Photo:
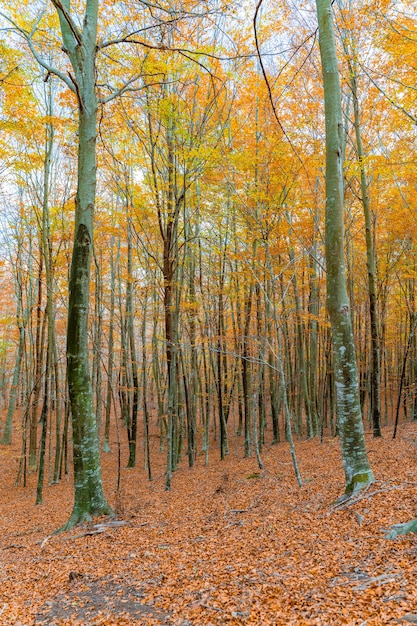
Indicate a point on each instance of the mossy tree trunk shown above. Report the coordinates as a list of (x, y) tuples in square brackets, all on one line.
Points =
[(355, 461), (80, 46)]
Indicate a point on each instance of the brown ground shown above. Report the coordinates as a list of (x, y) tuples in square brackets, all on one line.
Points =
[(229, 544)]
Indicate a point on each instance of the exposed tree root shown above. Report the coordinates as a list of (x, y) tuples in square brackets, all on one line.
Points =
[(80, 517), (353, 496), (402, 529)]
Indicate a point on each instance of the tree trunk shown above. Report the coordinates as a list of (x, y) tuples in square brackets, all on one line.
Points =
[(145, 390), (22, 316), (355, 461), (133, 419), (89, 499), (370, 263), (110, 342), (247, 371), (39, 348)]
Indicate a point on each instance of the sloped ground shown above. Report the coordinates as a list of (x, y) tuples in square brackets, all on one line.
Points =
[(229, 544)]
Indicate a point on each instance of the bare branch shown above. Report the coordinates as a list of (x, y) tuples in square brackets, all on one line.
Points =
[(268, 85), (28, 38), (163, 48), (121, 90), (384, 93)]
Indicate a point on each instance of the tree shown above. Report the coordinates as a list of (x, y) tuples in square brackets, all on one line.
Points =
[(355, 461), (80, 46), (350, 49)]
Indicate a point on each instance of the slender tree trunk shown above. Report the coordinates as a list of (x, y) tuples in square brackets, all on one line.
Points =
[(97, 347), (110, 356), (192, 415), (260, 390), (58, 409), (156, 372), (63, 462), (314, 329), (280, 367), (170, 235), (39, 352), (7, 432), (287, 363), (273, 383), (44, 421), (133, 418), (22, 316), (220, 372), (371, 266), (206, 405), (246, 370), (52, 365), (145, 391), (303, 390)]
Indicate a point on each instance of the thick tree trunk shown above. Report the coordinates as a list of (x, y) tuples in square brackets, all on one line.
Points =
[(89, 499), (355, 461)]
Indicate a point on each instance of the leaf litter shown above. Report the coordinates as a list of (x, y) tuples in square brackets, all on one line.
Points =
[(220, 547)]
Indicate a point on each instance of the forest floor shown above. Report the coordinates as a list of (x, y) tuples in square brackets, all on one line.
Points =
[(229, 544)]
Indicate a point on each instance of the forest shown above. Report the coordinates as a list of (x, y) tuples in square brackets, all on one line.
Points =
[(208, 322)]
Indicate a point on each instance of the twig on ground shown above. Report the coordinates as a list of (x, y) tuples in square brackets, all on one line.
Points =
[(45, 541), (383, 579), (212, 608)]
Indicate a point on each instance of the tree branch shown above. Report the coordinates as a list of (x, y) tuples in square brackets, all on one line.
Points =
[(268, 85), (28, 38), (67, 16), (164, 48), (390, 100), (121, 90)]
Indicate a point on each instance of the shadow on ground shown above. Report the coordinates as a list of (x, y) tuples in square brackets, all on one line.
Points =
[(88, 599)]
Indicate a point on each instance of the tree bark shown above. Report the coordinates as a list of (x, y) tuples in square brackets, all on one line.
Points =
[(355, 461), (89, 499), (371, 267), (132, 426)]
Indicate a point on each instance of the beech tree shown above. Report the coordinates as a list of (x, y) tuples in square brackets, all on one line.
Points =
[(80, 46), (355, 461)]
